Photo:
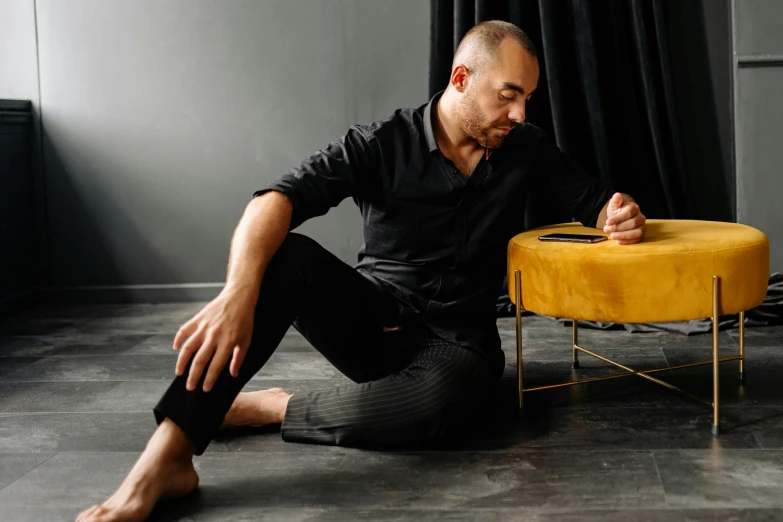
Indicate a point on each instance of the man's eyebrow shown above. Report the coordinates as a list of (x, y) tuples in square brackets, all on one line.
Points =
[(514, 87)]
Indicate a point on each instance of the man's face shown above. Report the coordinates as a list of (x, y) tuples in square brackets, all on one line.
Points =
[(494, 103)]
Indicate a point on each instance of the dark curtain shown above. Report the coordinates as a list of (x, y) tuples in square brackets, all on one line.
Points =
[(605, 93)]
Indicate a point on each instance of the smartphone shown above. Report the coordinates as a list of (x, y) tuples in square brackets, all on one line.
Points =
[(574, 238)]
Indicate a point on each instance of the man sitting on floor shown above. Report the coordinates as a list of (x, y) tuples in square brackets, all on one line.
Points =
[(441, 190)]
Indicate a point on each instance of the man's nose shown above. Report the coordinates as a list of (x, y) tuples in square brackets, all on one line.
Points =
[(517, 114)]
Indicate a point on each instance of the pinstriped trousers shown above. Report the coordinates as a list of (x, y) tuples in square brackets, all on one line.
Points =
[(408, 385)]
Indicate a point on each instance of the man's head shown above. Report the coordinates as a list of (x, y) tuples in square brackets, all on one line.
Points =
[(493, 73)]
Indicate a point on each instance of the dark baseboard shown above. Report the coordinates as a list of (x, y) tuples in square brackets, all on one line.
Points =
[(175, 293), (122, 294), (18, 303)]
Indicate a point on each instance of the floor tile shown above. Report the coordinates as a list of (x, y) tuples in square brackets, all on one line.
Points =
[(664, 515), (51, 432), (722, 478), (77, 385), (223, 513), (766, 424), (485, 480), (272, 481), (148, 367), (102, 344), (80, 396), (14, 465)]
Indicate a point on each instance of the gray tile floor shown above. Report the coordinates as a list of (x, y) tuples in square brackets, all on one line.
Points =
[(77, 385)]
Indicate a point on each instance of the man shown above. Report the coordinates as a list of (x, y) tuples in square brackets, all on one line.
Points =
[(441, 191)]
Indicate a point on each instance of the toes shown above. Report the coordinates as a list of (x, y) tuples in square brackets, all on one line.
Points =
[(83, 516)]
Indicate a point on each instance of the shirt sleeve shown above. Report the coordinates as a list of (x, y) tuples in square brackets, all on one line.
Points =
[(559, 180), (330, 175)]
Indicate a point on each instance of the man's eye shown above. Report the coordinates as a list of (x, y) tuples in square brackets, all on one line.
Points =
[(506, 98)]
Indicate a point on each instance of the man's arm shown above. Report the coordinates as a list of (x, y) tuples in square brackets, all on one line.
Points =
[(346, 167), (559, 181), (258, 235), (585, 198), (223, 329)]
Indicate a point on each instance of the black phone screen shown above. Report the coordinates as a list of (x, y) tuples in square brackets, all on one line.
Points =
[(576, 238)]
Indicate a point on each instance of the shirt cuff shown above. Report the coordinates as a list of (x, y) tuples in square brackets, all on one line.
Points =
[(287, 190)]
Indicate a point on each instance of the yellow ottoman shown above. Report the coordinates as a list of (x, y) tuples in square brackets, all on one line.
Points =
[(682, 270)]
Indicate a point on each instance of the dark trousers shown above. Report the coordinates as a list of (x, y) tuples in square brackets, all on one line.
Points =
[(408, 384)]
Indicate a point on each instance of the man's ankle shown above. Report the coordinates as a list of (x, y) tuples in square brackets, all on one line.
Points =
[(173, 440), (283, 408)]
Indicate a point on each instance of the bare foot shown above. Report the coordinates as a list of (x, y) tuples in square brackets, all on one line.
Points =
[(257, 408), (164, 470)]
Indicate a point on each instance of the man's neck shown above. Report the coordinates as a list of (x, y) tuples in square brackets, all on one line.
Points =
[(451, 140)]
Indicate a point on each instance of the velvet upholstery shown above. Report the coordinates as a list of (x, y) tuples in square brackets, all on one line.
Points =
[(666, 277)]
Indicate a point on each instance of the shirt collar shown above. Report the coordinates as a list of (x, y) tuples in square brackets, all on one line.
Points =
[(429, 132)]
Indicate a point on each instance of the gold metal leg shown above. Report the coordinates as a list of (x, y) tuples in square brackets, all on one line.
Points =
[(574, 344), (742, 347), (715, 356), (715, 361), (518, 298)]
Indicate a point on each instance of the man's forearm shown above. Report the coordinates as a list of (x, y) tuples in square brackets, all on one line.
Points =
[(258, 235)]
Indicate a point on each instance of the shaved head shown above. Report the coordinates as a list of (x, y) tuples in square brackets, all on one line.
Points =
[(494, 73), (479, 47)]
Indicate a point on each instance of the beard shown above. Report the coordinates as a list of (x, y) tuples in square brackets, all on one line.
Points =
[(472, 123)]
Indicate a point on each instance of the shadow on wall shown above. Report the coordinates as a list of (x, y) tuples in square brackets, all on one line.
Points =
[(93, 241)]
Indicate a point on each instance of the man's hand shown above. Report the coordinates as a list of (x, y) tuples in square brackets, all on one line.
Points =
[(224, 327), (624, 220)]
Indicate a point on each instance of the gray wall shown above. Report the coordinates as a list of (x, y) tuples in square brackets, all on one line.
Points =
[(162, 118), (758, 117), (18, 60)]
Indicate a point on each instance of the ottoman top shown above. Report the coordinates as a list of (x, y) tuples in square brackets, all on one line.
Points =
[(666, 277), (662, 237)]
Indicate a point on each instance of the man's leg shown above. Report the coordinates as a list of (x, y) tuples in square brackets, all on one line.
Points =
[(442, 388), (337, 309), (302, 280)]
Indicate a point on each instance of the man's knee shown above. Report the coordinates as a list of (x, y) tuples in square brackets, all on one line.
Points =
[(294, 249), (294, 261)]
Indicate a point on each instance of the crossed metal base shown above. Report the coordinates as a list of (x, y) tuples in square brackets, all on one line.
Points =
[(715, 361)]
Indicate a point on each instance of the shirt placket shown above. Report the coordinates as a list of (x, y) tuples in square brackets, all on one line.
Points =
[(461, 230)]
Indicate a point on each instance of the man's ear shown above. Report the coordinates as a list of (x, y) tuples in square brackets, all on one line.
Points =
[(459, 78)]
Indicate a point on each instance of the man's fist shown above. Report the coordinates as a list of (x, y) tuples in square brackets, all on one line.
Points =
[(624, 220)]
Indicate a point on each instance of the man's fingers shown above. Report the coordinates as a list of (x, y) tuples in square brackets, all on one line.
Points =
[(199, 362), (625, 213), (635, 222), (185, 331), (616, 201), (635, 234), (237, 360), (215, 367), (188, 349)]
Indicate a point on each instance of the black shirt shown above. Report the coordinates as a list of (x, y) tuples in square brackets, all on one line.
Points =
[(432, 238)]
